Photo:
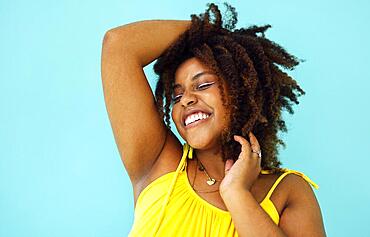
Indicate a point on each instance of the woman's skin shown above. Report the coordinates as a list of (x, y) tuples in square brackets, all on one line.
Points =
[(147, 153)]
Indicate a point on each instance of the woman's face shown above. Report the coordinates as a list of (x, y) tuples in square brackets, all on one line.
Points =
[(197, 110)]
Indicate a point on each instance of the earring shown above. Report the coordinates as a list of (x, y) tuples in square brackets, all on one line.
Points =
[(190, 154)]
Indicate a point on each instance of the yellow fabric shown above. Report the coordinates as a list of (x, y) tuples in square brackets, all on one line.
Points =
[(170, 207)]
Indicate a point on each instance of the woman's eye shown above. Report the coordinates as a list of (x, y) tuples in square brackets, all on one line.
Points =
[(200, 87), (205, 85), (176, 98)]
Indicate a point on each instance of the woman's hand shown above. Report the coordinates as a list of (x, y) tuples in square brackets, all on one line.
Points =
[(243, 172)]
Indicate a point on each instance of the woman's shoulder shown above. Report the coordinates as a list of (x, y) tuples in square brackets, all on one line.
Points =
[(289, 176), (284, 186), (298, 185), (300, 204), (297, 178)]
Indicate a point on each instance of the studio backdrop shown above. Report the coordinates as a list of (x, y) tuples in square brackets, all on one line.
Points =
[(60, 170)]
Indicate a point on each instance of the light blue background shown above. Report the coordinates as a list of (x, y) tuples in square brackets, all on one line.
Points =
[(60, 171)]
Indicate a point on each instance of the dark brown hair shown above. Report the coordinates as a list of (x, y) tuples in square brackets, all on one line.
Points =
[(249, 65)]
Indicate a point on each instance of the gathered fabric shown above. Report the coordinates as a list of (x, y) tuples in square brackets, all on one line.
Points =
[(169, 206)]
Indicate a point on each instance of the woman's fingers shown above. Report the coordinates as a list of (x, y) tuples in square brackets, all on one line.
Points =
[(245, 170), (251, 148), (254, 142), (245, 144), (255, 146)]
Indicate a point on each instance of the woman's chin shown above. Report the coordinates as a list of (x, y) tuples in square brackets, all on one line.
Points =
[(200, 143)]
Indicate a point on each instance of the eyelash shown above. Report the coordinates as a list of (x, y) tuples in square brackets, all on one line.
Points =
[(203, 86)]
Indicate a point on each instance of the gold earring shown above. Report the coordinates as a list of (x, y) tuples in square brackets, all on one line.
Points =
[(190, 154)]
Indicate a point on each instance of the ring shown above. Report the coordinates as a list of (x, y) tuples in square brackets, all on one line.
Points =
[(259, 153)]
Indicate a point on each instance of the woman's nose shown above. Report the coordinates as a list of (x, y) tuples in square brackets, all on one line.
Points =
[(188, 99)]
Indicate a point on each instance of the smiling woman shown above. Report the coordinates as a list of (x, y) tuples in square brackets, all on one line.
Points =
[(225, 90), (197, 91)]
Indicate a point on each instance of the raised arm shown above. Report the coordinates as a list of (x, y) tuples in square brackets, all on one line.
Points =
[(138, 130)]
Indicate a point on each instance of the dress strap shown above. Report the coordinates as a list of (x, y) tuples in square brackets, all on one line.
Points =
[(286, 172), (187, 152)]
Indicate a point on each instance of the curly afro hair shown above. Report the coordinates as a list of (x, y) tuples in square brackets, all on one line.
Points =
[(249, 65)]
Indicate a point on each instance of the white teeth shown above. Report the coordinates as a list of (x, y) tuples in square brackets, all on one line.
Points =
[(194, 117)]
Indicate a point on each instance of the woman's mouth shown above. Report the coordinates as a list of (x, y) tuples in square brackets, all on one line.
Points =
[(196, 119)]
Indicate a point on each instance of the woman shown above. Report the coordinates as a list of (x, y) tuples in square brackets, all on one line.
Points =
[(225, 92)]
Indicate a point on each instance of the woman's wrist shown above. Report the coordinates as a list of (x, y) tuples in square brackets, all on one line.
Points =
[(232, 190)]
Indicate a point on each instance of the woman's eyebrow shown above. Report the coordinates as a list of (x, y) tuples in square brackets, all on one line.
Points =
[(195, 78)]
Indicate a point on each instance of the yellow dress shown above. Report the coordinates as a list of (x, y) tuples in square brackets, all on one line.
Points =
[(169, 206)]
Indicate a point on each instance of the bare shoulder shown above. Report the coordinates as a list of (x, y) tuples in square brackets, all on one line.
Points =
[(295, 201), (290, 186), (297, 190), (297, 186), (301, 215)]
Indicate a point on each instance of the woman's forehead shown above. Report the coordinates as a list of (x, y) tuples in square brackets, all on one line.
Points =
[(192, 78), (191, 70)]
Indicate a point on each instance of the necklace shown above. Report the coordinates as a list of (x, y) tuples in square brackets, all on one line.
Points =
[(210, 181)]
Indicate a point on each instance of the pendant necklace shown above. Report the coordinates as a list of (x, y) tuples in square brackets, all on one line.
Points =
[(210, 181)]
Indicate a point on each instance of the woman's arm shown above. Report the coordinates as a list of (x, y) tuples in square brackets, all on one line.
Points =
[(248, 216), (146, 40), (139, 132), (302, 215)]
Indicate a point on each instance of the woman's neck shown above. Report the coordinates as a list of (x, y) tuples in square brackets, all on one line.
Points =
[(212, 161)]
